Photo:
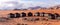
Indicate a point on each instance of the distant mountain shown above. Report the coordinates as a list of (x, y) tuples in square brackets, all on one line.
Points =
[(55, 7), (36, 7)]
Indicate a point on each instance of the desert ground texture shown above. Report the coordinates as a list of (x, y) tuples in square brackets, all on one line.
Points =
[(20, 21)]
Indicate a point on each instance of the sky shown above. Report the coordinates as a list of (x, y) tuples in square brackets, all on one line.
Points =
[(42, 2), (12, 4)]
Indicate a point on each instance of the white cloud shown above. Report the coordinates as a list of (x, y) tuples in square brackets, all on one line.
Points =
[(31, 4), (11, 4), (4, 5)]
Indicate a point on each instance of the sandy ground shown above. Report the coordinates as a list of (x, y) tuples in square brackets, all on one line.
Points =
[(15, 21)]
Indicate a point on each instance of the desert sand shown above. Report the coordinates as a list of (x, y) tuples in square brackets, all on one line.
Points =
[(17, 21)]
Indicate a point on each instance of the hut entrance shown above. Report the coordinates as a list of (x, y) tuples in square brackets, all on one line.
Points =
[(30, 14), (17, 15), (23, 14), (11, 15), (52, 16), (57, 16)]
